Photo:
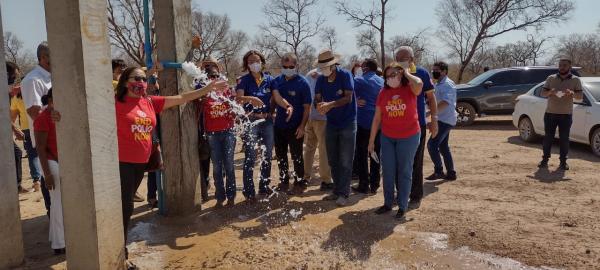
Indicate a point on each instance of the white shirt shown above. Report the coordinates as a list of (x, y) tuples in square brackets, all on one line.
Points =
[(36, 84)]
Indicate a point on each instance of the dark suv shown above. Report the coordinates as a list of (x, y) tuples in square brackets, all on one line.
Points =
[(495, 91)]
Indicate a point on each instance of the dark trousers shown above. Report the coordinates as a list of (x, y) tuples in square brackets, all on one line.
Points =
[(439, 145), (131, 175), (18, 164), (367, 169), (283, 139), (151, 184), (563, 123), (205, 170), (416, 190)]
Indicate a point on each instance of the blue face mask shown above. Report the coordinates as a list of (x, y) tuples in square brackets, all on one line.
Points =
[(288, 72)]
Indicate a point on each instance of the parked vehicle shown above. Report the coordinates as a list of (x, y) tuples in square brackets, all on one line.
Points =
[(528, 116), (495, 91)]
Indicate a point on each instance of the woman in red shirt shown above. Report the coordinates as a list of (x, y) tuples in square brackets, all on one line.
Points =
[(136, 118), (396, 113), (218, 126), (45, 138)]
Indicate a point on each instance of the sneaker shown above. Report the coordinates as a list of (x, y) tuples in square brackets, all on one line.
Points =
[(450, 177), (130, 266), (219, 204), (153, 203), (330, 197), (36, 186), (59, 251), (543, 164), (400, 214), (414, 204), (382, 210), (265, 192), (251, 200), (230, 203), (326, 186), (283, 186), (563, 166), (435, 176), (360, 190), (341, 201), (374, 190), (301, 183), (138, 197)]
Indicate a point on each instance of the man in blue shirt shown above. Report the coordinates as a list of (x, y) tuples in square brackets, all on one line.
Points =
[(406, 57), (445, 94), (291, 92), (314, 137), (334, 97), (366, 88)]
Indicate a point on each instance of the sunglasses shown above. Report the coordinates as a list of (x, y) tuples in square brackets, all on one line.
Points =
[(213, 76), (139, 78), (289, 67)]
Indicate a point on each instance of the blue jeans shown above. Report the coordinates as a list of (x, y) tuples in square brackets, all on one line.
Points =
[(222, 148), (34, 169), (397, 158), (438, 145), (254, 139), (563, 122), (340, 153)]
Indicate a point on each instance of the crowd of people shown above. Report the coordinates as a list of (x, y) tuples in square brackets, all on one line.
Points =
[(372, 120)]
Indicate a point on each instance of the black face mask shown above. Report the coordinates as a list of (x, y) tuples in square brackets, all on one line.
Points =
[(436, 75)]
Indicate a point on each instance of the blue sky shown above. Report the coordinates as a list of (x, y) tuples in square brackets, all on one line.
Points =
[(25, 18)]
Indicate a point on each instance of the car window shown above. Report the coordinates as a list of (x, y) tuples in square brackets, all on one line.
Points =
[(538, 91), (535, 76), (482, 77), (594, 89), (508, 77)]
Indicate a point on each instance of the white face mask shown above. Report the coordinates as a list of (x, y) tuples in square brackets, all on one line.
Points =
[(256, 67), (326, 71), (405, 65), (358, 72), (393, 82), (288, 72)]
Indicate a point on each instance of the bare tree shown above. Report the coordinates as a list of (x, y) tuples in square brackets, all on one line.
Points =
[(366, 41), (466, 24), (417, 41), (234, 44), (291, 23), (213, 29), (14, 52), (126, 28), (582, 49), (329, 37), (374, 17)]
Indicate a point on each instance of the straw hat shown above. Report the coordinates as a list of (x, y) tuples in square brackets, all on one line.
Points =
[(327, 58), (210, 60)]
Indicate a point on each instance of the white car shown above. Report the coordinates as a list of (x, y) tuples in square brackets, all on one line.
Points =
[(528, 116)]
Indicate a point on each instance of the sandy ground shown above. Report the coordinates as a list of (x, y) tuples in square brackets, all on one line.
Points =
[(502, 213)]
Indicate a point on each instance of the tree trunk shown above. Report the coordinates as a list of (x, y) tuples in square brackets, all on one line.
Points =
[(382, 34)]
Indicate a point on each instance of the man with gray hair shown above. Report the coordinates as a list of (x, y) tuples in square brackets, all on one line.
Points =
[(406, 57), (34, 86)]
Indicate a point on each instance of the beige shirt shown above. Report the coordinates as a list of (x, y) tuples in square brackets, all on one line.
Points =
[(563, 104)]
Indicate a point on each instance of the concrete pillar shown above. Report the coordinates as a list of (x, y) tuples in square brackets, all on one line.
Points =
[(179, 127), (11, 245), (87, 142)]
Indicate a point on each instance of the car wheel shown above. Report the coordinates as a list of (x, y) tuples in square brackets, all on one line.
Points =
[(595, 141), (466, 114), (526, 131)]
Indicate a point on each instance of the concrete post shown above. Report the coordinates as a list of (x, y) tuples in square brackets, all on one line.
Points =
[(179, 127), (87, 142), (11, 245)]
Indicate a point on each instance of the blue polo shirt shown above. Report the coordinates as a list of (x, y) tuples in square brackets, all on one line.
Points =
[(297, 92), (338, 117), (262, 91), (427, 86), (367, 87)]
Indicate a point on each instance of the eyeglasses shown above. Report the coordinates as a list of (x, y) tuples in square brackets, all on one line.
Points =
[(139, 78), (210, 66), (213, 76), (289, 67)]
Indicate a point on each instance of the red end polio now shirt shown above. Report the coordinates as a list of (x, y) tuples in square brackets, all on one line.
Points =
[(136, 119), (399, 118), (217, 113)]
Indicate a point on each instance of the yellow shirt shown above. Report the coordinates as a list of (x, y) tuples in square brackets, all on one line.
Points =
[(17, 104), (115, 85)]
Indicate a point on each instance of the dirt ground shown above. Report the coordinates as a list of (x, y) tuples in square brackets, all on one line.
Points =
[(502, 213)]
